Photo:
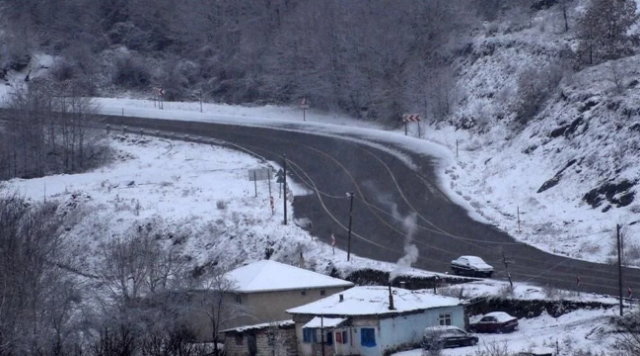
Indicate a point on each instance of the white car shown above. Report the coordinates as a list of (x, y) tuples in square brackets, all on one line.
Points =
[(472, 266)]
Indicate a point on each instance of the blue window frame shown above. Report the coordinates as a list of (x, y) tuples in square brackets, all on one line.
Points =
[(368, 337), (309, 335)]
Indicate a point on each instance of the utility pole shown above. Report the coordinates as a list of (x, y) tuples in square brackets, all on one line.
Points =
[(619, 265), (284, 201), (322, 333), (506, 263), (350, 195)]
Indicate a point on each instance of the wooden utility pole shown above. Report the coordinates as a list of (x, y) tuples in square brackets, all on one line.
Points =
[(351, 194), (506, 263), (284, 201), (619, 266)]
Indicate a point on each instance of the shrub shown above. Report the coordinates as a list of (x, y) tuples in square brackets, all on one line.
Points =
[(131, 72), (534, 87)]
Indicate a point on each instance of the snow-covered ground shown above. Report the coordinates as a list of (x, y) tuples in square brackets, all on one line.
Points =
[(496, 173), (199, 194), (490, 288), (478, 172), (585, 330)]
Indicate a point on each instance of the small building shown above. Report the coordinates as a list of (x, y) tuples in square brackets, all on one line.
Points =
[(371, 320), (266, 339), (266, 289), (262, 292)]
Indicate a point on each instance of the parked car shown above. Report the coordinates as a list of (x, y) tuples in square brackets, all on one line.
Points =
[(495, 322), (471, 265), (440, 337), (538, 351)]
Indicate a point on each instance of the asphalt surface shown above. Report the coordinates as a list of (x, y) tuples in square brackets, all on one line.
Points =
[(383, 183)]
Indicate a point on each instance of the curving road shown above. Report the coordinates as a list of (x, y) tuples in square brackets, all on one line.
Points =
[(384, 184)]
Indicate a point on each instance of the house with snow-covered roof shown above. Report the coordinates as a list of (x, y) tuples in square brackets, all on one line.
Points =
[(371, 320), (265, 290)]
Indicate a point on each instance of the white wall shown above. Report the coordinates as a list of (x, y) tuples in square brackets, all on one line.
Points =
[(390, 332), (409, 329)]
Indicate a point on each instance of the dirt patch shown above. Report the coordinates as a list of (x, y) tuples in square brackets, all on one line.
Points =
[(571, 130), (559, 131), (617, 194), (556, 179)]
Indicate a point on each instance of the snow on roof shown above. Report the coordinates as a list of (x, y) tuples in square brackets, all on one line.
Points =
[(268, 276), (278, 324), (374, 300), (320, 322)]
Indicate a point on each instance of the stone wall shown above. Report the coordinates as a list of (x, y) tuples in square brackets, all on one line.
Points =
[(237, 343)]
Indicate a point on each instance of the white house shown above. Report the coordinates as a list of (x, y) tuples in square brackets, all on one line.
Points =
[(371, 320)]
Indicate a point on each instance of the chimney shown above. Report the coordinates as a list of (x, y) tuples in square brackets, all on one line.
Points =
[(341, 298), (391, 306)]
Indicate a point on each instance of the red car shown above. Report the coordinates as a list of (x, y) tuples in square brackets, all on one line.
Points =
[(495, 322)]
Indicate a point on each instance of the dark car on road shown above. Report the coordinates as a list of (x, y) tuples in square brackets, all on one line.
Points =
[(495, 322), (440, 337), (471, 266)]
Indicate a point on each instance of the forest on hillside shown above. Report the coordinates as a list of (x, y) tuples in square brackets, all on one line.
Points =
[(371, 59)]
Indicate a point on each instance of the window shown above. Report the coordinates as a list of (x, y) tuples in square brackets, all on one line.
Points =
[(309, 335), (342, 337), (323, 292), (368, 337), (239, 339), (329, 339), (304, 292), (239, 298), (445, 319)]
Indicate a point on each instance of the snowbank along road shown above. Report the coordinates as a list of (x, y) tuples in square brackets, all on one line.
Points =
[(399, 211)]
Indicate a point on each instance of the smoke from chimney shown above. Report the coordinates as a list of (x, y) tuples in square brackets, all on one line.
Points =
[(411, 253), (409, 223)]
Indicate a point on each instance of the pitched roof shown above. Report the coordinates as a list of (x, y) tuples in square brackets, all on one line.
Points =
[(374, 300), (269, 276)]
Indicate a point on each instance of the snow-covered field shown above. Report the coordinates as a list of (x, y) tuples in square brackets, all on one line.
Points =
[(198, 194), (579, 330), (493, 190)]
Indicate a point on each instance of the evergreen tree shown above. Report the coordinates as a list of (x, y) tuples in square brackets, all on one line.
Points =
[(603, 30)]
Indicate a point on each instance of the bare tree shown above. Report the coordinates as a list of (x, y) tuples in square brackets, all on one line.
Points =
[(137, 266), (39, 294), (217, 296), (494, 348)]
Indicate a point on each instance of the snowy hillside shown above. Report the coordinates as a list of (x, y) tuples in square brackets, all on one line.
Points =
[(196, 198), (572, 171), (561, 182)]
